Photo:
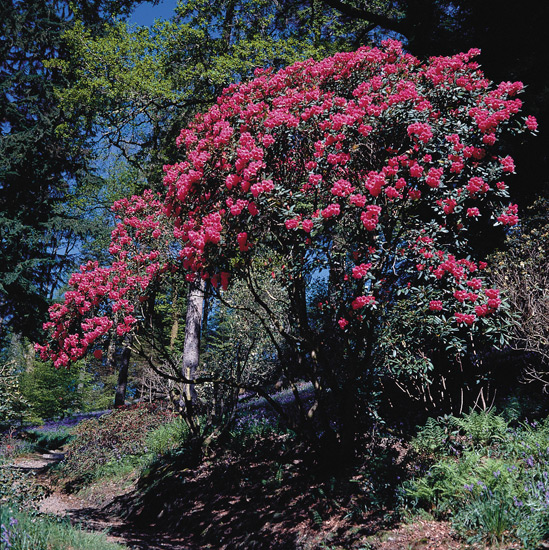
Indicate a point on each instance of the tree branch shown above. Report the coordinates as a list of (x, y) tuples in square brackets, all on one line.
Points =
[(367, 15)]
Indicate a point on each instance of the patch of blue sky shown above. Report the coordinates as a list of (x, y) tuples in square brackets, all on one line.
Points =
[(146, 13)]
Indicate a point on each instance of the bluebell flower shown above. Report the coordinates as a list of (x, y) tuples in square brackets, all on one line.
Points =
[(5, 536), (517, 502)]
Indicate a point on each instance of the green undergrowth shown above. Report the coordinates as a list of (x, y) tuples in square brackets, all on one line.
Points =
[(40, 440), (491, 479), (26, 530), (117, 444), (19, 488), (486, 473)]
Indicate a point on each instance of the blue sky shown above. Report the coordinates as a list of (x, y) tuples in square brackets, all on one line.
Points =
[(145, 14)]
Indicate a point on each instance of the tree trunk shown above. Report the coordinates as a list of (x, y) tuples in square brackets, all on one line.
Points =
[(191, 347), (175, 317), (120, 396)]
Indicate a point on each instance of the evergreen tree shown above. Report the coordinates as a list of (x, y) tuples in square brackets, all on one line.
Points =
[(43, 156)]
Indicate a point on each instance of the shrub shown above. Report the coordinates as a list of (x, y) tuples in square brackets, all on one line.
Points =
[(48, 440), (369, 174), (52, 393), (20, 488), (493, 481), (112, 438)]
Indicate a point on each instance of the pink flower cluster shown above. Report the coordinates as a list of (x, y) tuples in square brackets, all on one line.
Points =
[(370, 217), (471, 298), (510, 216), (361, 270)]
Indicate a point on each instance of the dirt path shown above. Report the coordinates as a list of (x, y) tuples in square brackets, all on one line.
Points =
[(38, 462), (88, 513)]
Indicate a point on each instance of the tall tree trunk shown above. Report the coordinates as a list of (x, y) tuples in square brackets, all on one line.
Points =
[(120, 395), (175, 317), (191, 347)]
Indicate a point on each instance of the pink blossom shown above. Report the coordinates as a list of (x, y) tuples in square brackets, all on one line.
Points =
[(331, 210), (473, 212), (362, 301), (475, 185), (531, 123), (467, 318), (433, 177), (416, 170), (492, 292), (292, 224), (243, 244), (361, 270), (508, 164), (449, 205), (422, 130), (475, 284)]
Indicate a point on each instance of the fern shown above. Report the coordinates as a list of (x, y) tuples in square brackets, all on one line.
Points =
[(435, 438), (483, 428)]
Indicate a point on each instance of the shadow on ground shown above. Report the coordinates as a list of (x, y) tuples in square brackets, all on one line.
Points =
[(259, 498)]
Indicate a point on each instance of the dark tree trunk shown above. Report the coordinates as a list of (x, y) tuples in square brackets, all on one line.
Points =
[(120, 395)]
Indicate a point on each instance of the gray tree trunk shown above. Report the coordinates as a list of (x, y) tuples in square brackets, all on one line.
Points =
[(191, 347)]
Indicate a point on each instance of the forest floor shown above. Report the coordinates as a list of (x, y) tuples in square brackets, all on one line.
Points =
[(230, 503), (263, 493)]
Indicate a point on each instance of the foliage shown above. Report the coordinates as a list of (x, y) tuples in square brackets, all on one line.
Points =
[(38, 166), (54, 392), (22, 530), (18, 487), (137, 83), (368, 171), (47, 440), (167, 437), (115, 437), (13, 406), (522, 271), (434, 437), (491, 479)]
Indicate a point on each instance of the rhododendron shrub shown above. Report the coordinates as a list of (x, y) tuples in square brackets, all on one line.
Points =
[(107, 301), (362, 182)]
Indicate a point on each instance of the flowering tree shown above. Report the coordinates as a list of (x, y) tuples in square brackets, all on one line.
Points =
[(361, 182)]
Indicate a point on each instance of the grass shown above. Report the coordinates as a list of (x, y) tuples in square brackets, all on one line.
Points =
[(29, 531)]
